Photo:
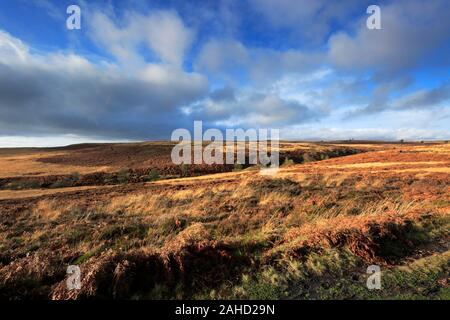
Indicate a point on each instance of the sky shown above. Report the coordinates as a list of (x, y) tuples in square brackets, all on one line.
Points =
[(137, 70)]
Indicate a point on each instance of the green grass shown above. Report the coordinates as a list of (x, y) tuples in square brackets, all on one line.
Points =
[(131, 230), (338, 274), (152, 176)]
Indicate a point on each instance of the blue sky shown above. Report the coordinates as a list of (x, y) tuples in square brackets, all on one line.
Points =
[(137, 70)]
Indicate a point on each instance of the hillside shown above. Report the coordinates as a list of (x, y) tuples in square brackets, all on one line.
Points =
[(309, 232)]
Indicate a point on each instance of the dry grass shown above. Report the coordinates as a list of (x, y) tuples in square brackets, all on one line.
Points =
[(196, 234), (28, 165), (387, 164), (19, 194)]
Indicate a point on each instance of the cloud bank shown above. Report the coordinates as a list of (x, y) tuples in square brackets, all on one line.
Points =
[(153, 70)]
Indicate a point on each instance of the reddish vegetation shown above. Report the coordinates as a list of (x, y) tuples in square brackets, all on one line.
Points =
[(191, 236), (135, 162)]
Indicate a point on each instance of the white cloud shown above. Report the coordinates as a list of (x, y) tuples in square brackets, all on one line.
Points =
[(219, 56), (230, 58), (63, 93), (162, 32), (425, 98), (121, 43), (12, 50), (386, 134), (249, 108), (50, 141), (410, 29), (166, 35)]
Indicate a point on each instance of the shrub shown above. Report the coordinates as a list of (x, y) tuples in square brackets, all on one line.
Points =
[(123, 176), (184, 170), (75, 177), (153, 175), (61, 184), (288, 162), (307, 158), (22, 184)]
